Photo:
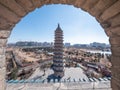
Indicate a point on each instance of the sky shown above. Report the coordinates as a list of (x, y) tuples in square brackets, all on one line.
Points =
[(78, 26)]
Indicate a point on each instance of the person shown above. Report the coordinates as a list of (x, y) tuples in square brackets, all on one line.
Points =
[(68, 78), (44, 73)]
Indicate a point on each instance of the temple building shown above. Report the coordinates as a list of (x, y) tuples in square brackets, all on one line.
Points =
[(58, 65)]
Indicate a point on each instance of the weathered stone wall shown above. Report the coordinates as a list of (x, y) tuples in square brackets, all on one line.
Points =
[(3, 39), (106, 12), (2, 65)]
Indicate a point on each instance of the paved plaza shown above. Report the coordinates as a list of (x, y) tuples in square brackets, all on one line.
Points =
[(74, 79), (59, 86)]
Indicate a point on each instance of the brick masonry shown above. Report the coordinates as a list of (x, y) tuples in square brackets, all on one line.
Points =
[(106, 12)]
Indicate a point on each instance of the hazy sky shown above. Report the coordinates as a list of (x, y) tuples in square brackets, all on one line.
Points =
[(78, 26)]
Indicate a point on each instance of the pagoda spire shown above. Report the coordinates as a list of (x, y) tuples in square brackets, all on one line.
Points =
[(58, 25), (59, 28)]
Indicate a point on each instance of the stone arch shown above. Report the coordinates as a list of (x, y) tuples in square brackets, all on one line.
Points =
[(106, 12)]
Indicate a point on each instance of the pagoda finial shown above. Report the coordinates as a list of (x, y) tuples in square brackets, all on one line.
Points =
[(58, 28), (58, 25)]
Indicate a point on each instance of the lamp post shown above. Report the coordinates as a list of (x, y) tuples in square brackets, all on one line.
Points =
[(93, 85)]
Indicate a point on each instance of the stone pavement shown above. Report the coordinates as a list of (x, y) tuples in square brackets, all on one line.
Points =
[(60, 86)]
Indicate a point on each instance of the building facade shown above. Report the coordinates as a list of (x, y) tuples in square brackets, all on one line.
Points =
[(58, 65)]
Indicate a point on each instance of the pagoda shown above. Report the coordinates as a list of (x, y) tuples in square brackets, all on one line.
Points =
[(58, 65)]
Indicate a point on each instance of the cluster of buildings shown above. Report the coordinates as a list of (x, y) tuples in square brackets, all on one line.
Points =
[(94, 45), (31, 43), (49, 44)]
